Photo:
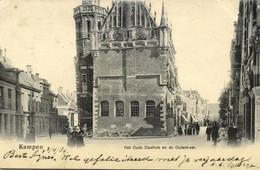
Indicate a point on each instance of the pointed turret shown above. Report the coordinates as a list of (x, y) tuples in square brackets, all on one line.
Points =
[(164, 31), (163, 17)]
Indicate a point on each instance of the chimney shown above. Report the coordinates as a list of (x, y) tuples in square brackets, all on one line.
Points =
[(60, 90), (37, 75), (29, 69)]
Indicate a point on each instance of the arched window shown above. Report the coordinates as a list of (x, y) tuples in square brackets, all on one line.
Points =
[(99, 25), (104, 108), (134, 108), (119, 108), (150, 108)]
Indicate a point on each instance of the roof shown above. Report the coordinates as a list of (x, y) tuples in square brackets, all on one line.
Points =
[(65, 100), (7, 76), (27, 80), (195, 93)]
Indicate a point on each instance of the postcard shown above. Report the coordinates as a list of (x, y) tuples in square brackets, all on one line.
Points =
[(129, 84)]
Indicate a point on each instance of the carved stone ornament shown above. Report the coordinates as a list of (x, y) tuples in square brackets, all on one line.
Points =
[(118, 35), (246, 82), (141, 34), (257, 39)]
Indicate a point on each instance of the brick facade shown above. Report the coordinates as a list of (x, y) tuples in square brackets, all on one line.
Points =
[(124, 57)]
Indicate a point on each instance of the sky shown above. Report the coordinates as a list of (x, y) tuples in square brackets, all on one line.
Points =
[(41, 33)]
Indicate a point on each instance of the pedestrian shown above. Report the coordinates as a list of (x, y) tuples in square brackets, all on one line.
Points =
[(197, 126), (79, 142), (50, 132), (232, 135), (189, 130), (208, 132), (185, 129), (215, 135), (193, 129), (180, 131), (71, 137)]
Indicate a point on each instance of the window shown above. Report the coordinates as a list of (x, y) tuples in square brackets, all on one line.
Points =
[(119, 108), (29, 102), (84, 78), (150, 108), (104, 108), (9, 98), (184, 107), (1, 97), (134, 108), (89, 28)]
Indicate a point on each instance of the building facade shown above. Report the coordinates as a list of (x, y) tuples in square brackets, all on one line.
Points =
[(245, 66), (26, 102), (11, 116), (125, 69), (67, 107)]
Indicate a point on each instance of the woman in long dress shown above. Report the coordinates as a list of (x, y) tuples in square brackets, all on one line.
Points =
[(79, 137), (71, 137)]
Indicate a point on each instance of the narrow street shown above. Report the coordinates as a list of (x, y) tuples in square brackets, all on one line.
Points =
[(185, 140)]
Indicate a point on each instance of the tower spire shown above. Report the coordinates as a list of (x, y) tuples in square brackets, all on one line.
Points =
[(163, 19)]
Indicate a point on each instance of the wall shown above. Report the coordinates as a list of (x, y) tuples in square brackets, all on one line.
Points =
[(129, 75)]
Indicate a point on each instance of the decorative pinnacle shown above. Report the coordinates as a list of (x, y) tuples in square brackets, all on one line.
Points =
[(163, 19)]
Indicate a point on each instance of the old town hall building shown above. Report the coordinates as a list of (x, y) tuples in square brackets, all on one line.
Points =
[(125, 68)]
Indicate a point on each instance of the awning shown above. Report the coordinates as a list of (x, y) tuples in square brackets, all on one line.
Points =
[(194, 118), (184, 118)]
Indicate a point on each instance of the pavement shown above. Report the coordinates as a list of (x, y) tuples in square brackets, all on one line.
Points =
[(191, 140), (200, 141)]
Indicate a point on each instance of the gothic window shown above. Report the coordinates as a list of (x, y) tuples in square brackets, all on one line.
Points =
[(114, 20), (124, 17), (119, 17), (150, 108), (9, 98), (134, 108), (143, 20), (1, 97), (119, 108), (104, 108), (133, 16), (99, 25), (88, 28), (78, 30)]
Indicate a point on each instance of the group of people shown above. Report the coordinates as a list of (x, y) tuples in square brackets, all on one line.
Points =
[(214, 131), (75, 137), (190, 130)]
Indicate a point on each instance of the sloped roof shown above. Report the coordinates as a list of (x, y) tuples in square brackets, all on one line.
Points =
[(65, 100), (27, 80)]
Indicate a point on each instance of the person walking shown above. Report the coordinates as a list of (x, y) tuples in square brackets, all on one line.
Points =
[(79, 142), (232, 135), (50, 132), (180, 131), (185, 129), (189, 130), (71, 137), (193, 129), (197, 126), (208, 132), (215, 135)]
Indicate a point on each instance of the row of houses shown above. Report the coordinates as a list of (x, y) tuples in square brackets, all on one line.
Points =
[(244, 89), (27, 101)]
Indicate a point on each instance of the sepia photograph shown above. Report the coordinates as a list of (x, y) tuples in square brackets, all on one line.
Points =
[(130, 84)]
